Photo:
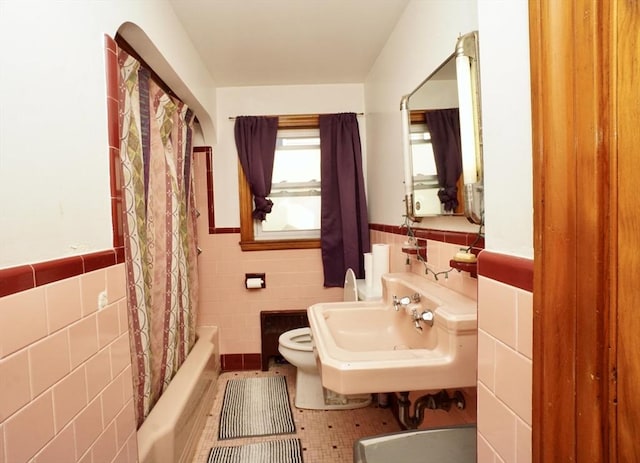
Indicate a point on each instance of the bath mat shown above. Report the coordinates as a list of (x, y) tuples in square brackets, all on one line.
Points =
[(256, 407), (276, 451)]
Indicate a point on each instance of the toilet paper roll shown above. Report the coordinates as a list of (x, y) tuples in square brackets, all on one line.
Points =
[(253, 283), (380, 253), (368, 269)]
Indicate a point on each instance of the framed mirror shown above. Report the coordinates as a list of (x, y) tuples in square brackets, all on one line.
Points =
[(442, 139)]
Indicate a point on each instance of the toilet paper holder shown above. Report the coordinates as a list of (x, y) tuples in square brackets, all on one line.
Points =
[(255, 280)]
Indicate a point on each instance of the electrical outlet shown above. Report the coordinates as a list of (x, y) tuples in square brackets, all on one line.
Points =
[(102, 300)]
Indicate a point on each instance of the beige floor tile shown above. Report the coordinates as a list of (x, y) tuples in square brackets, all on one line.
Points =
[(326, 436)]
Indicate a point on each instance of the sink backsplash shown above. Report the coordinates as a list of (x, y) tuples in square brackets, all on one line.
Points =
[(439, 254)]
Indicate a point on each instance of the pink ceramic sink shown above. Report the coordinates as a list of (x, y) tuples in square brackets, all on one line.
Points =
[(366, 347)]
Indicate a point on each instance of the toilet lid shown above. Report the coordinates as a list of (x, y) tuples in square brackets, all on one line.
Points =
[(350, 286)]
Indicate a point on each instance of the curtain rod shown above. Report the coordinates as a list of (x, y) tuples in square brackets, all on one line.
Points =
[(127, 47), (231, 118)]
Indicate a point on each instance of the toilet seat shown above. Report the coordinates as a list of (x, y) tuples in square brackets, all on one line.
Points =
[(298, 339), (296, 347)]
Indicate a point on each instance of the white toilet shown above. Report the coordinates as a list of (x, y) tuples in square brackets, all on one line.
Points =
[(296, 346)]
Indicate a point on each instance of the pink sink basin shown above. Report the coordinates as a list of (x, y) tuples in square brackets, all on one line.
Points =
[(367, 347)]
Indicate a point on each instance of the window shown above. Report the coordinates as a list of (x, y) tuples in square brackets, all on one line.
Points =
[(425, 175), (295, 188), (424, 164), (294, 221)]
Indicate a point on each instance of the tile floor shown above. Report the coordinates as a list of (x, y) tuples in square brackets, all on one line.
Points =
[(326, 436)]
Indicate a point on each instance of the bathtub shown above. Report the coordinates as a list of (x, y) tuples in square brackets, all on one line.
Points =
[(171, 431)]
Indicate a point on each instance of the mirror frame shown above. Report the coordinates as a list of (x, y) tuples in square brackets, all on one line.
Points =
[(468, 78)]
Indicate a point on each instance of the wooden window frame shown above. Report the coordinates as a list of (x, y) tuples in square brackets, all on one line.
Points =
[(247, 237)]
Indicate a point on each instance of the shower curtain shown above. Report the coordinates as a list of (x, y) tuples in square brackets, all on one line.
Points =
[(159, 229)]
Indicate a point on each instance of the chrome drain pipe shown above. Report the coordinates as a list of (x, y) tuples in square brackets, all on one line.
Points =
[(439, 401)]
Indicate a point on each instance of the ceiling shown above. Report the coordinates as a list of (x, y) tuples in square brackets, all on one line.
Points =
[(288, 42)]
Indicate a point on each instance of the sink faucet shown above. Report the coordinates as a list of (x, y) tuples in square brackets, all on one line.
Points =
[(427, 316), (404, 301)]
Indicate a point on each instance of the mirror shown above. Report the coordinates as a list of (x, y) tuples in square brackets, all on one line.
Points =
[(441, 131)]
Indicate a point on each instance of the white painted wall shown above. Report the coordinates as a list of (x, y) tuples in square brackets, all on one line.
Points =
[(437, 94), (54, 172), (270, 100), (423, 38), (54, 181), (506, 112)]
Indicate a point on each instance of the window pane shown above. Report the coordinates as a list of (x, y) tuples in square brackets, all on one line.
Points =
[(424, 163), (293, 213), (299, 141), (295, 188), (302, 165)]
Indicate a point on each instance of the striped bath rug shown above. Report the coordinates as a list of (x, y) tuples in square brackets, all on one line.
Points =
[(276, 451), (256, 407)]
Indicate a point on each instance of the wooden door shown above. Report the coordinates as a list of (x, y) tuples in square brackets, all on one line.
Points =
[(586, 127), (626, 280)]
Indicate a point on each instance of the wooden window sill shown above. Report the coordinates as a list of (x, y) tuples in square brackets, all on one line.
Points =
[(270, 245)]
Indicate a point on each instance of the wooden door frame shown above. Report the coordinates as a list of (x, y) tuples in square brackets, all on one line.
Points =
[(574, 230)]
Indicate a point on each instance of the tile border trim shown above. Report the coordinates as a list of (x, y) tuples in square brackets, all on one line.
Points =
[(511, 270), (445, 236), (240, 362), (24, 277)]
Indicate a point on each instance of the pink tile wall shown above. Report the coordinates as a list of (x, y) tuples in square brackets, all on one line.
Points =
[(65, 372), (504, 369), (505, 314), (294, 281), (438, 255), (294, 277)]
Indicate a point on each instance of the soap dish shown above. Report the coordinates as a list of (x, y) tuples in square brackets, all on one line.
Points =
[(471, 267), (416, 251)]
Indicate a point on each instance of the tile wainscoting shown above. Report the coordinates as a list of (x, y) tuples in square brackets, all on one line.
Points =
[(504, 291), (505, 328), (65, 366)]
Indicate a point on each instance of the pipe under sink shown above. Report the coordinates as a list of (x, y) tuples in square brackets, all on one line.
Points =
[(455, 444)]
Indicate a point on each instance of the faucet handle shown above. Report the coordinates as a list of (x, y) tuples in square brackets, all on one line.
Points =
[(427, 316)]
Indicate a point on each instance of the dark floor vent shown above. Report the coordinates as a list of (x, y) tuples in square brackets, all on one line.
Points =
[(272, 324)]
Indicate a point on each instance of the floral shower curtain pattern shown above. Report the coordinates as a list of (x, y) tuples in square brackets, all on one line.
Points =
[(159, 229)]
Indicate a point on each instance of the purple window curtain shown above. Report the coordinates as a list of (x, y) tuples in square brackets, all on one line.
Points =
[(256, 144), (444, 126), (344, 232)]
